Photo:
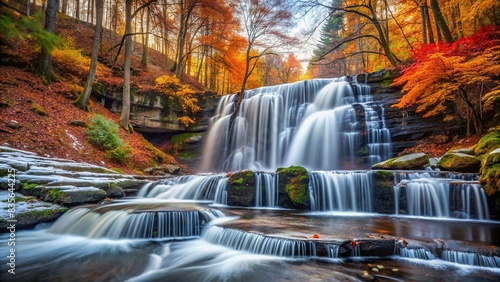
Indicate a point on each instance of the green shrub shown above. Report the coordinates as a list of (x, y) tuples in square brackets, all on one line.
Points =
[(103, 133), (118, 154)]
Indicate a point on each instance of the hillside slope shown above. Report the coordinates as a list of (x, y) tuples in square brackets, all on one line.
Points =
[(36, 117)]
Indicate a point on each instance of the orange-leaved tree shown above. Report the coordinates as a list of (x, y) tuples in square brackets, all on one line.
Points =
[(444, 77), (182, 94)]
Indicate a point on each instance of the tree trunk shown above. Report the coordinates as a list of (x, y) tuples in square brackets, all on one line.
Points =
[(440, 21), (45, 58), (64, 8), (145, 46), (125, 114), (428, 22), (77, 8), (424, 24), (83, 99), (28, 8)]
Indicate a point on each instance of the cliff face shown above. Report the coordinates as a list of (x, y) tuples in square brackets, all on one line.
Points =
[(406, 126), (152, 112)]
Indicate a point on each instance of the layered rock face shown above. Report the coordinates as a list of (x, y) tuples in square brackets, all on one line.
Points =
[(406, 126)]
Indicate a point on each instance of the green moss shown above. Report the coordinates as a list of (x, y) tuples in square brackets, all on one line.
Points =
[(55, 194), (118, 170), (21, 199), (242, 180), (384, 175), (490, 174), (488, 143), (38, 215), (297, 183), (29, 188), (363, 151), (37, 109)]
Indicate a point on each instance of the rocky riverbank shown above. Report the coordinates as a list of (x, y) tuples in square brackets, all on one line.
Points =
[(35, 189)]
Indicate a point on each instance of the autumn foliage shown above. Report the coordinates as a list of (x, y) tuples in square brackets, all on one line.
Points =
[(178, 92), (459, 79)]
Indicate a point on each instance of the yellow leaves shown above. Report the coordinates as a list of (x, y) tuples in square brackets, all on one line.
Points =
[(491, 99), (182, 93)]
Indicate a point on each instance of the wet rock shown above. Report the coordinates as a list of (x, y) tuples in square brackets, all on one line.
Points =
[(28, 210), (466, 151), (79, 123), (490, 179), (71, 195), (407, 162), (241, 189), (114, 191), (14, 124), (459, 162), (293, 189), (165, 170)]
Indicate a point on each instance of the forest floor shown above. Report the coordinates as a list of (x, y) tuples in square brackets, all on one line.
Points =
[(35, 116)]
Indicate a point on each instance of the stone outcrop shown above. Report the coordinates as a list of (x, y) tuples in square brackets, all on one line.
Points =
[(241, 189), (53, 184), (407, 162), (459, 162), (406, 126), (153, 112)]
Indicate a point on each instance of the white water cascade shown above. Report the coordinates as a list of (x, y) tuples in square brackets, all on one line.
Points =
[(441, 195), (341, 191), (310, 123), (258, 244), (118, 224)]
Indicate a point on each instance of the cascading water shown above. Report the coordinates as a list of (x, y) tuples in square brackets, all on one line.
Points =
[(341, 191), (310, 123), (266, 189), (445, 196), (256, 243), (119, 224), (194, 187)]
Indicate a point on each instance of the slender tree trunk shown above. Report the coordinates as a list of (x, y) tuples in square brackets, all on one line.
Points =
[(424, 24), (145, 46), (440, 21), (45, 58), (77, 8), (428, 22), (64, 8), (83, 99), (28, 8), (125, 114)]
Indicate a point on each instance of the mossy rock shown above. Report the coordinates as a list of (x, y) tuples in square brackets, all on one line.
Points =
[(39, 215), (459, 162), (241, 189), (71, 195), (113, 191), (467, 151), (296, 186), (407, 162), (488, 143), (490, 173), (384, 175)]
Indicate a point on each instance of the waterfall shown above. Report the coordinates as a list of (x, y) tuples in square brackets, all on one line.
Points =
[(309, 123), (448, 195), (256, 243), (332, 250), (194, 187), (266, 186), (473, 259), (419, 253), (341, 191), (118, 224)]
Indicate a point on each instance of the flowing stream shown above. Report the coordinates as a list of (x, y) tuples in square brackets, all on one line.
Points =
[(182, 229)]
